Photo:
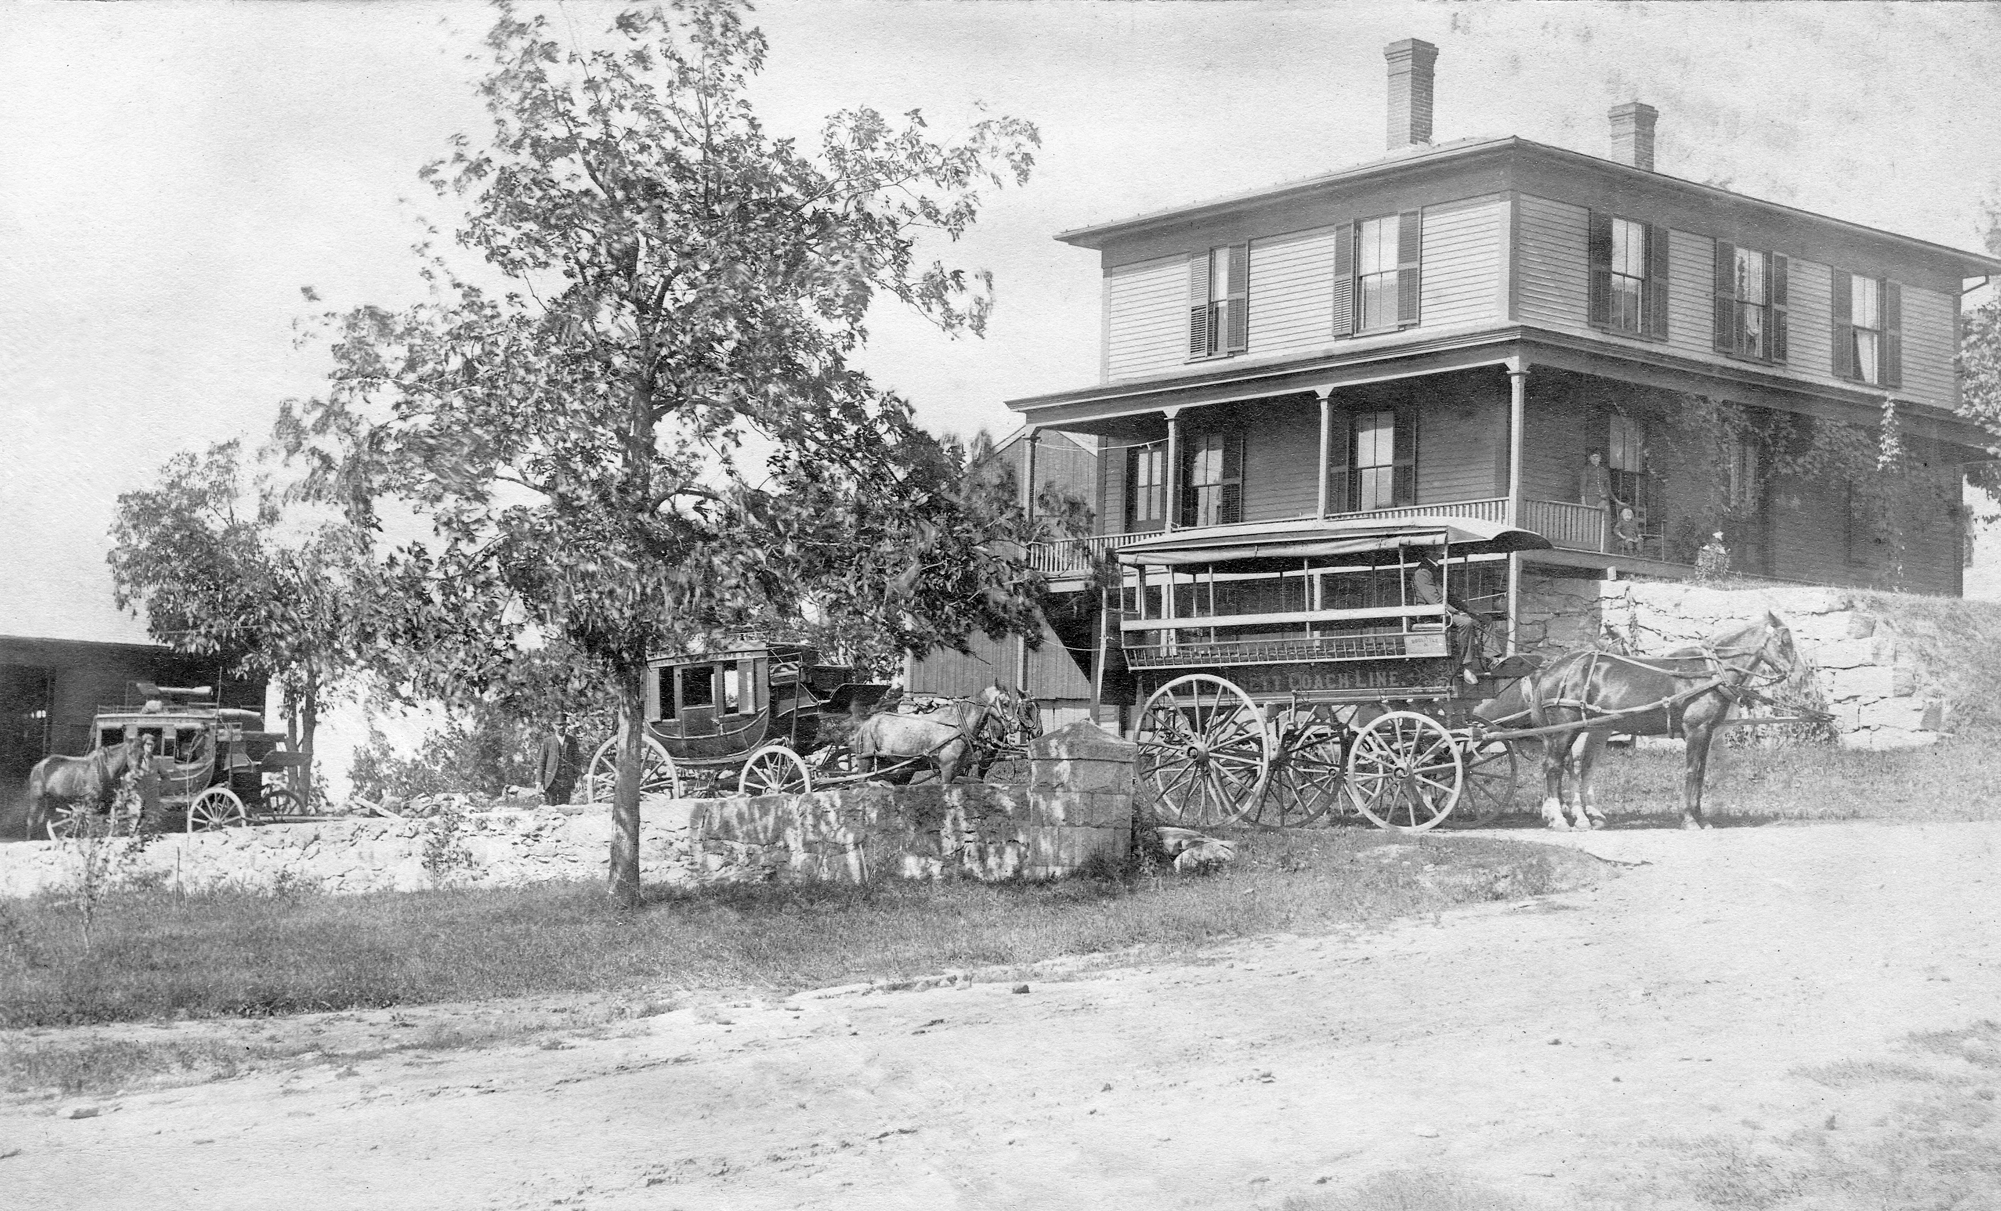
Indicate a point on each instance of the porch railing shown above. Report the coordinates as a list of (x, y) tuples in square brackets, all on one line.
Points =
[(1572, 526)]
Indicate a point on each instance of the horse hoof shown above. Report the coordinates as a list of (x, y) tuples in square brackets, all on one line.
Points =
[(1556, 826), (1692, 826)]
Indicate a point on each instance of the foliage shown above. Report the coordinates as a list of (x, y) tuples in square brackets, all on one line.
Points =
[(1980, 386), (105, 846), (219, 572), (479, 750), (653, 435), (445, 852)]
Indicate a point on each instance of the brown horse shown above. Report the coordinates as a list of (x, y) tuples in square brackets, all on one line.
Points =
[(946, 736), (88, 782), (1690, 691)]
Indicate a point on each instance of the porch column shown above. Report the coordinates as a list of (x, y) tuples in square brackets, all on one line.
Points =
[(1028, 510), (1326, 395), (1173, 470), (1518, 400)]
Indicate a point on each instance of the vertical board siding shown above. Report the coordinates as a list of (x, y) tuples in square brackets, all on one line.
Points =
[(1281, 453), (1051, 671), (1555, 277), (1463, 254), (1292, 290), (1147, 330)]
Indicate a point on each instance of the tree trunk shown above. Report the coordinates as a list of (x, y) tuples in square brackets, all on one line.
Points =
[(309, 718), (294, 776), (625, 799)]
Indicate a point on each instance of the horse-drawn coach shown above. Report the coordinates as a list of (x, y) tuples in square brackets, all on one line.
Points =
[(1294, 669), (216, 766), (771, 718)]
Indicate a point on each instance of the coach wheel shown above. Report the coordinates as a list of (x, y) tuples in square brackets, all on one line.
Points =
[(774, 770), (67, 820), (216, 807), (1489, 788), (280, 802), (1203, 751), (1305, 777), (1404, 771), (657, 775)]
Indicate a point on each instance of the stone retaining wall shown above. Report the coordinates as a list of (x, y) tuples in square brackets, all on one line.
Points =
[(1871, 676), (1077, 807)]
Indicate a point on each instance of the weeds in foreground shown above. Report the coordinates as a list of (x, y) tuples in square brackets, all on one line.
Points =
[(235, 953), (1408, 1190)]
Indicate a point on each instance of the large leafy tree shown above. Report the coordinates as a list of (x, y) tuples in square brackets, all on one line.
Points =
[(219, 569), (636, 424)]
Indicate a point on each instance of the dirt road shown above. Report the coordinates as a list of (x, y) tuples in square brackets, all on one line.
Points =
[(1539, 1048)]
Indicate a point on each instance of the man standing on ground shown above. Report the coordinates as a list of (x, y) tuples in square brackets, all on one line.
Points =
[(562, 757)]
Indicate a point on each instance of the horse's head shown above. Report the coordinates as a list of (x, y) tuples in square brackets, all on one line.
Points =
[(1778, 649)]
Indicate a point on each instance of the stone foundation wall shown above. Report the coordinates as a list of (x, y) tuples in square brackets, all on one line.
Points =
[(487, 849), (1871, 676)]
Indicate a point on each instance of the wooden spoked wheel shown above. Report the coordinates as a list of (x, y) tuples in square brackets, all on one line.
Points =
[(216, 807), (1404, 771), (657, 775), (1203, 751), (1305, 777), (1490, 781), (278, 801), (774, 770), (68, 820)]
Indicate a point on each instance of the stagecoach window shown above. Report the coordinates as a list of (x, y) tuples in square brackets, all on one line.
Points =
[(732, 689), (1269, 594), (111, 737), (1150, 601), (698, 686)]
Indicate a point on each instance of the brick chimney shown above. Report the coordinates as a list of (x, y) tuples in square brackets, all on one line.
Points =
[(1633, 134), (1410, 91)]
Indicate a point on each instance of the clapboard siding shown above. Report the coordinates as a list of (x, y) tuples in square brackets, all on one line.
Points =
[(1462, 434), (1292, 290), (1691, 292), (1553, 271), (1281, 450), (1462, 255), (1148, 332), (1810, 322)]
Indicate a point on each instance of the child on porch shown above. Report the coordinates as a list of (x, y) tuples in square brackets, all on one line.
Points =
[(1627, 531)]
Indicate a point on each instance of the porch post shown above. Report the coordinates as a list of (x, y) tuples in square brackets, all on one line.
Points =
[(1027, 488), (1326, 444), (1173, 517), (1518, 399)]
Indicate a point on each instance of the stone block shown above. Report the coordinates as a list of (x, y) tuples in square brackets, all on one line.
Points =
[(1055, 809), (1873, 681), (1062, 849), (1914, 714), (1881, 739)]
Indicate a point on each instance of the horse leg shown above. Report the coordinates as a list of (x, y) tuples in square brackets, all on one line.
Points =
[(1555, 752), (1699, 735), (1590, 747)]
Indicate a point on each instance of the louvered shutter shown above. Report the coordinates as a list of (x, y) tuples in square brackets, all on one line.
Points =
[(1198, 306), (1237, 326), (1344, 280), (1726, 297), (1410, 250), (1182, 509), (1893, 335), (1842, 303), (1775, 282), (1598, 253), (1403, 451), (1231, 508), (1340, 457), (1654, 309)]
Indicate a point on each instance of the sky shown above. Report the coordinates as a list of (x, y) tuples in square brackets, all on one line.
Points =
[(171, 175)]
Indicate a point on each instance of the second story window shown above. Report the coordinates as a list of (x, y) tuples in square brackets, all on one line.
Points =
[(1376, 273), (1629, 276), (1750, 303), (1213, 472), (1868, 329), (1146, 486), (1218, 318), (1373, 463)]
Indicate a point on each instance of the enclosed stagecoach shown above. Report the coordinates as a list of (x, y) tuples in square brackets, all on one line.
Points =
[(1287, 670)]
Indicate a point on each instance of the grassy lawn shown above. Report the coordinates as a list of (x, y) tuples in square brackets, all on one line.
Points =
[(158, 956)]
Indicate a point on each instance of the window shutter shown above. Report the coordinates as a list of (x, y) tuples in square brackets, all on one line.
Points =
[(1231, 509), (1237, 326), (1340, 457), (1410, 242), (1655, 307), (1726, 297), (1403, 452), (1893, 335), (1182, 509), (1775, 284), (1598, 252), (1344, 280), (1198, 306), (1842, 303)]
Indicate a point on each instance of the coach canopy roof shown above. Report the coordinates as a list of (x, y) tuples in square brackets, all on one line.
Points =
[(1312, 537)]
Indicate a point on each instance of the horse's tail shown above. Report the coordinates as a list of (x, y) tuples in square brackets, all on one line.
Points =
[(38, 785)]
